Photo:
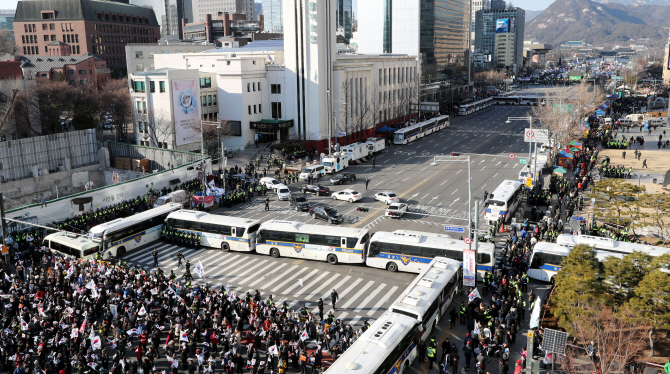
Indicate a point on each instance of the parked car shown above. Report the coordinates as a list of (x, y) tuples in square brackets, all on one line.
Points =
[(396, 210), (387, 197), (107, 126), (299, 202), (317, 189), (283, 193), (326, 213), (347, 195), (340, 178)]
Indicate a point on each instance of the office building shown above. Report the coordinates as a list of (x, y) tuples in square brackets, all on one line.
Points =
[(140, 57), (506, 50), (86, 71), (235, 25), (168, 14), (6, 18), (201, 8), (436, 31), (99, 27), (272, 16), (344, 20)]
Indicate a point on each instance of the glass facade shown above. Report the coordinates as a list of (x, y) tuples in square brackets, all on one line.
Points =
[(168, 14), (485, 32), (444, 40), (272, 13), (343, 11), (6, 18), (388, 27)]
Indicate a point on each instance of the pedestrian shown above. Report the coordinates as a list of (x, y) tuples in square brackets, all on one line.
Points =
[(421, 350), (155, 254), (644, 164), (452, 318), (44, 202), (467, 352), (267, 203), (333, 298), (431, 356), (180, 257), (320, 305), (367, 181), (623, 155), (374, 160)]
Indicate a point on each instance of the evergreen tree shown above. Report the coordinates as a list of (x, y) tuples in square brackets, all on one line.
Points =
[(652, 301), (577, 285)]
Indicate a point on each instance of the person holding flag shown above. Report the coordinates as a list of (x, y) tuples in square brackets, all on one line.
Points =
[(200, 270)]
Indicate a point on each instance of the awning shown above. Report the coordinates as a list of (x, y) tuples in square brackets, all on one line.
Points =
[(271, 124), (386, 129)]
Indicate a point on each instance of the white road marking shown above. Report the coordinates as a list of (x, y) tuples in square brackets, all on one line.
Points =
[(454, 191), (443, 182)]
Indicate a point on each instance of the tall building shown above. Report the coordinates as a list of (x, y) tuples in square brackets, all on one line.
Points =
[(168, 13), (201, 8), (6, 18), (499, 33), (272, 14), (437, 31), (98, 27), (344, 19)]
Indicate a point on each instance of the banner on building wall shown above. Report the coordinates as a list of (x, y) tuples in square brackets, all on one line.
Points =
[(502, 25), (469, 268), (186, 111)]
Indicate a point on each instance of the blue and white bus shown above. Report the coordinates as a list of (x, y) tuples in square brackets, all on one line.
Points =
[(412, 251), (503, 201), (223, 232), (419, 130)]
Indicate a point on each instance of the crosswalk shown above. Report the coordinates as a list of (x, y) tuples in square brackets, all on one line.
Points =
[(360, 298), (256, 210)]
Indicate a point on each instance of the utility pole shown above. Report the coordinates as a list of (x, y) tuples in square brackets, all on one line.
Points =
[(3, 223)]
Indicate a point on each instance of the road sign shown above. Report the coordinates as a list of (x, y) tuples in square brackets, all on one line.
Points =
[(467, 240), (341, 134), (536, 135), (529, 182), (554, 341), (453, 229), (522, 160), (511, 156)]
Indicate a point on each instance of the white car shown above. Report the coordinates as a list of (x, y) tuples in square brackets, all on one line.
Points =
[(347, 195), (271, 183), (387, 197), (283, 192), (396, 210)]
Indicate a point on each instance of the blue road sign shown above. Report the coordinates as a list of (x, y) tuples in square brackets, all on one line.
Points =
[(453, 229)]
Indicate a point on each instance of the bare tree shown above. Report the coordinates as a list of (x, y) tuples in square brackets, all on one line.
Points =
[(212, 133), (154, 127), (361, 113), (9, 91), (6, 42), (114, 98)]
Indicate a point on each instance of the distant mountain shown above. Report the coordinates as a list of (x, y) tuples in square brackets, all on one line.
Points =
[(598, 23), (636, 2), (530, 14)]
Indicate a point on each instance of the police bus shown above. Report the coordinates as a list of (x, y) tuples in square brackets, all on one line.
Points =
[(412, 251), (421, 129), (312, 242), (545, 262), (125, 234), (71, 245), (431, 293), (217, 231), (503, 201)]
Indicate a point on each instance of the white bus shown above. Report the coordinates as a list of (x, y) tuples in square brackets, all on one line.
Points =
[(412, 251), (466, 109), (503, 201), (546, 259), (71, 245), (430, 294), (125, 234), (388, 346), (224, 232), (419, 130), (312, 242), (610, 245)]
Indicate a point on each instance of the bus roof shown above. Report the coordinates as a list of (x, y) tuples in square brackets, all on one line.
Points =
[(71, 240), (416, 299), (505, 190), (194, 215), (610, 245), (415, 126), (425, 239), (295, 226), (375, 344), (139, 217)]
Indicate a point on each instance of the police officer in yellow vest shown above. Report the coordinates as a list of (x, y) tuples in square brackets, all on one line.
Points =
[(431, 353)]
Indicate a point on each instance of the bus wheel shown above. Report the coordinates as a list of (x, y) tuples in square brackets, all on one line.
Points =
[(274, 252), (391, 266), (225, 247), (332, 259), (553, 281), (122, 251)]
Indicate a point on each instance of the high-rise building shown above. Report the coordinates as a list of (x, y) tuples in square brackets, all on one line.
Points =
[(6, 18), (98, 27), (272, 16), (201, 8), (168, 14), (344, 19), (437, 31), (506, 50)]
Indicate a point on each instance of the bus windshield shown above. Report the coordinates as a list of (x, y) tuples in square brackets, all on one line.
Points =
[(327, 163), (495, 203), (399, 136)]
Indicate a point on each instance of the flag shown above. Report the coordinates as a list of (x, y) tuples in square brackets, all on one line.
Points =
[(201, 358), (474, 295), (304, 336), (24, 325), (83, 326), (273, 350), (75, 333), (200, 270), (300, 282), (142, 312), (94, 289), (62, 340), (173, 361), (7, 278), (92, 364), (132, 332), (113, 343), (95, 343), (70, 271), (184, 336)]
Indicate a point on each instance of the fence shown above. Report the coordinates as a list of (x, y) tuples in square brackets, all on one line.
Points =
[(49, 153), (160, 159)]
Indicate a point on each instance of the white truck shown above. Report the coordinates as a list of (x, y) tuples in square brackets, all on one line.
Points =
[(178, 196), (356, 152), (334, 163), (376, 145)]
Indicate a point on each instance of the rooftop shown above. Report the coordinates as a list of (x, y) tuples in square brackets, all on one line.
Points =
[(46, 63), (10, 70), (255, 46), (31, 10), (161, 71)]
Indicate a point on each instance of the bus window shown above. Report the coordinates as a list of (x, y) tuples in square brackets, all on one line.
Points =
[(483, 258), (239, 231), (537, 261), (374, 249), (260, 238), (351, 242)]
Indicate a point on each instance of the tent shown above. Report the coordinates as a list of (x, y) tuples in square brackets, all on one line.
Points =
[(600, 113), (386, 129), (564, 158), (559, 170), (575, 144), (613, 96)]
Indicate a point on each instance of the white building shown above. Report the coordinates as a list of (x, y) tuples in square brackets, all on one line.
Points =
[(202, 8), (140, 57)]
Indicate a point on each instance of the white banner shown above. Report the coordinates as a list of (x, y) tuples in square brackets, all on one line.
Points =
[(186, 111), (469, 268), (535, 314)]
